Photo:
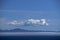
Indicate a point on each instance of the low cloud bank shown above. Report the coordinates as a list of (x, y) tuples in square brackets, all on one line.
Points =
[(29, 21)]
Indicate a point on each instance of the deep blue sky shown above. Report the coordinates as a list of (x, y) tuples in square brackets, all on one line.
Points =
[(30, 5), (31, 8), (25, 9)]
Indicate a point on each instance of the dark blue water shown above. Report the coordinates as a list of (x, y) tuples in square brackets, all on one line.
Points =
[(29, 37)]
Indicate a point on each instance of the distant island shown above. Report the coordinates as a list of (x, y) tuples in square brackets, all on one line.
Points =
[(23, 30), (19, 30)]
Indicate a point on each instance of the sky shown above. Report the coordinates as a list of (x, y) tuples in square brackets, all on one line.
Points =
[(16, 11)]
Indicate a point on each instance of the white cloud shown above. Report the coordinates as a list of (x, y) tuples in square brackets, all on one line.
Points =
[(43, 21), (10, 24), (29, 21), (33, 21), (16, 23), (37, 21)]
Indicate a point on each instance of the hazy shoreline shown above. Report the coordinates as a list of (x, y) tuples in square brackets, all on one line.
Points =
[(29, 33)]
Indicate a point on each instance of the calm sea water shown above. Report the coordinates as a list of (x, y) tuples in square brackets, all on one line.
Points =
[(30, 36)]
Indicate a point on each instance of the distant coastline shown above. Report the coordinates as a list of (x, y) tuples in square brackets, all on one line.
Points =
[(23, 30)]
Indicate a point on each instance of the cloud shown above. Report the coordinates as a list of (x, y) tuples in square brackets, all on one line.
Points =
[(33, 21), (21, 23), (15, 22), (44, 22), (37, 21), (29, 22)]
